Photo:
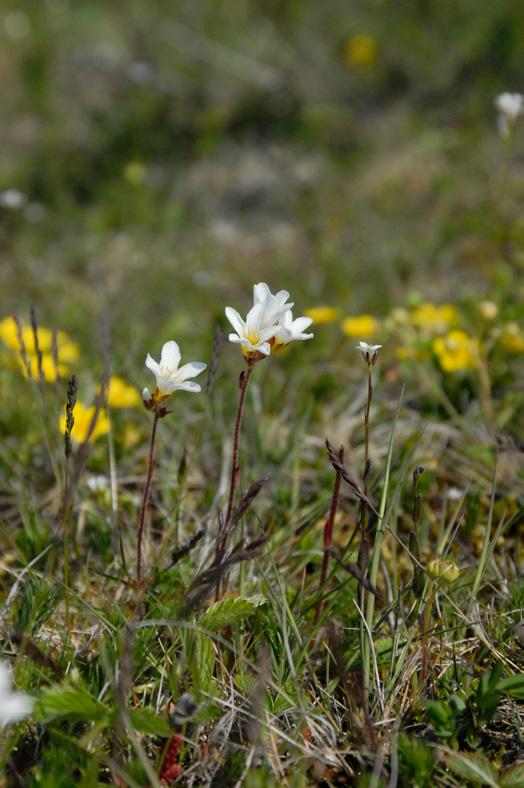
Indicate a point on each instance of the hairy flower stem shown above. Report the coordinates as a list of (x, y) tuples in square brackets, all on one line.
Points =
[(223, 532), (145, 500), (328, 534), (235, 467)]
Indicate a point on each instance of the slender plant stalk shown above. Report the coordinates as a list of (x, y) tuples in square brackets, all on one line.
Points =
[(235, 466), (366, 427), (328, 534), (375, 560), (224, 526), (145, 500)]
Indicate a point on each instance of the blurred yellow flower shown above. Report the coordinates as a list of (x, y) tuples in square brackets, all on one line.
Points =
[(83, 415), (512, 338), (433, 317), (444, 570), (49, 370), (361, 326), (360, 50), (67, 350), (456, 351), (323, 314), (121, 395)]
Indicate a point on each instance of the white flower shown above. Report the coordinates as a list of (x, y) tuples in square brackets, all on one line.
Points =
[(370, 352), (251, 334), (169, 377), (12, 199), (290, 330), (14, 706), (275, 306), (509, 106)]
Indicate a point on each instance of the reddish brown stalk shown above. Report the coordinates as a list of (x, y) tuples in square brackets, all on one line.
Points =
[(145, 500), (235, 467), (225, 526), (328, 533)]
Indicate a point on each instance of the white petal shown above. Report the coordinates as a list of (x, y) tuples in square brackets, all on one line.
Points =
[(260, 292), (235, 320), (190, 370), (268, 333), (146, 395), (170, 356), (254, 318), (236, 339), (301, 323), (188, 386), (152, 365), (264, 348)]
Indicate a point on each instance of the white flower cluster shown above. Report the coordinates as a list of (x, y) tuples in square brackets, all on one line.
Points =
[(269, 324)]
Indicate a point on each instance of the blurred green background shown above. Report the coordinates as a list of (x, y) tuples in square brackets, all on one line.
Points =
[(170, 154)]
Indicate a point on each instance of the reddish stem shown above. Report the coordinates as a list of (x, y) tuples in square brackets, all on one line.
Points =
[(235, 467), (328, 532), (145, 500), (223, 531)]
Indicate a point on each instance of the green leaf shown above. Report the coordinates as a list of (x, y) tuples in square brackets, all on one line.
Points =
[(230, 611), (473, 767), (513, 777), (512, 685), (149, 722), (66, 700)]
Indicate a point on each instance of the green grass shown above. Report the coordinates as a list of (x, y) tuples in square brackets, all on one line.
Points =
[(250, 150)]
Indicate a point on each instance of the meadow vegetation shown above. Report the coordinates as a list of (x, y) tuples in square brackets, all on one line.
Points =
[(290, 562)]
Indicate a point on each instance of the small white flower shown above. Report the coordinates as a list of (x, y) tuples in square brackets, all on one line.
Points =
[(290, 330), (275, 306), (14, 706), (169, 377), (509, 106), (12, 199), (370, 352), (251, 334)]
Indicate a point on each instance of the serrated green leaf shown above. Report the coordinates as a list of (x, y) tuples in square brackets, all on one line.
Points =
[(65, 700), (513, 777), (149, 722), (230, 611), (473, 767), (512, 685)]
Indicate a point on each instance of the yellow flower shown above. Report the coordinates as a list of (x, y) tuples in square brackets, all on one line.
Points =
[(456, 352), (360, 50), (121, 395), (323, 314), (512, 338), (362, 326), (83, 415), (49, 370), (444, 570), (433, 317), (67, 350)]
